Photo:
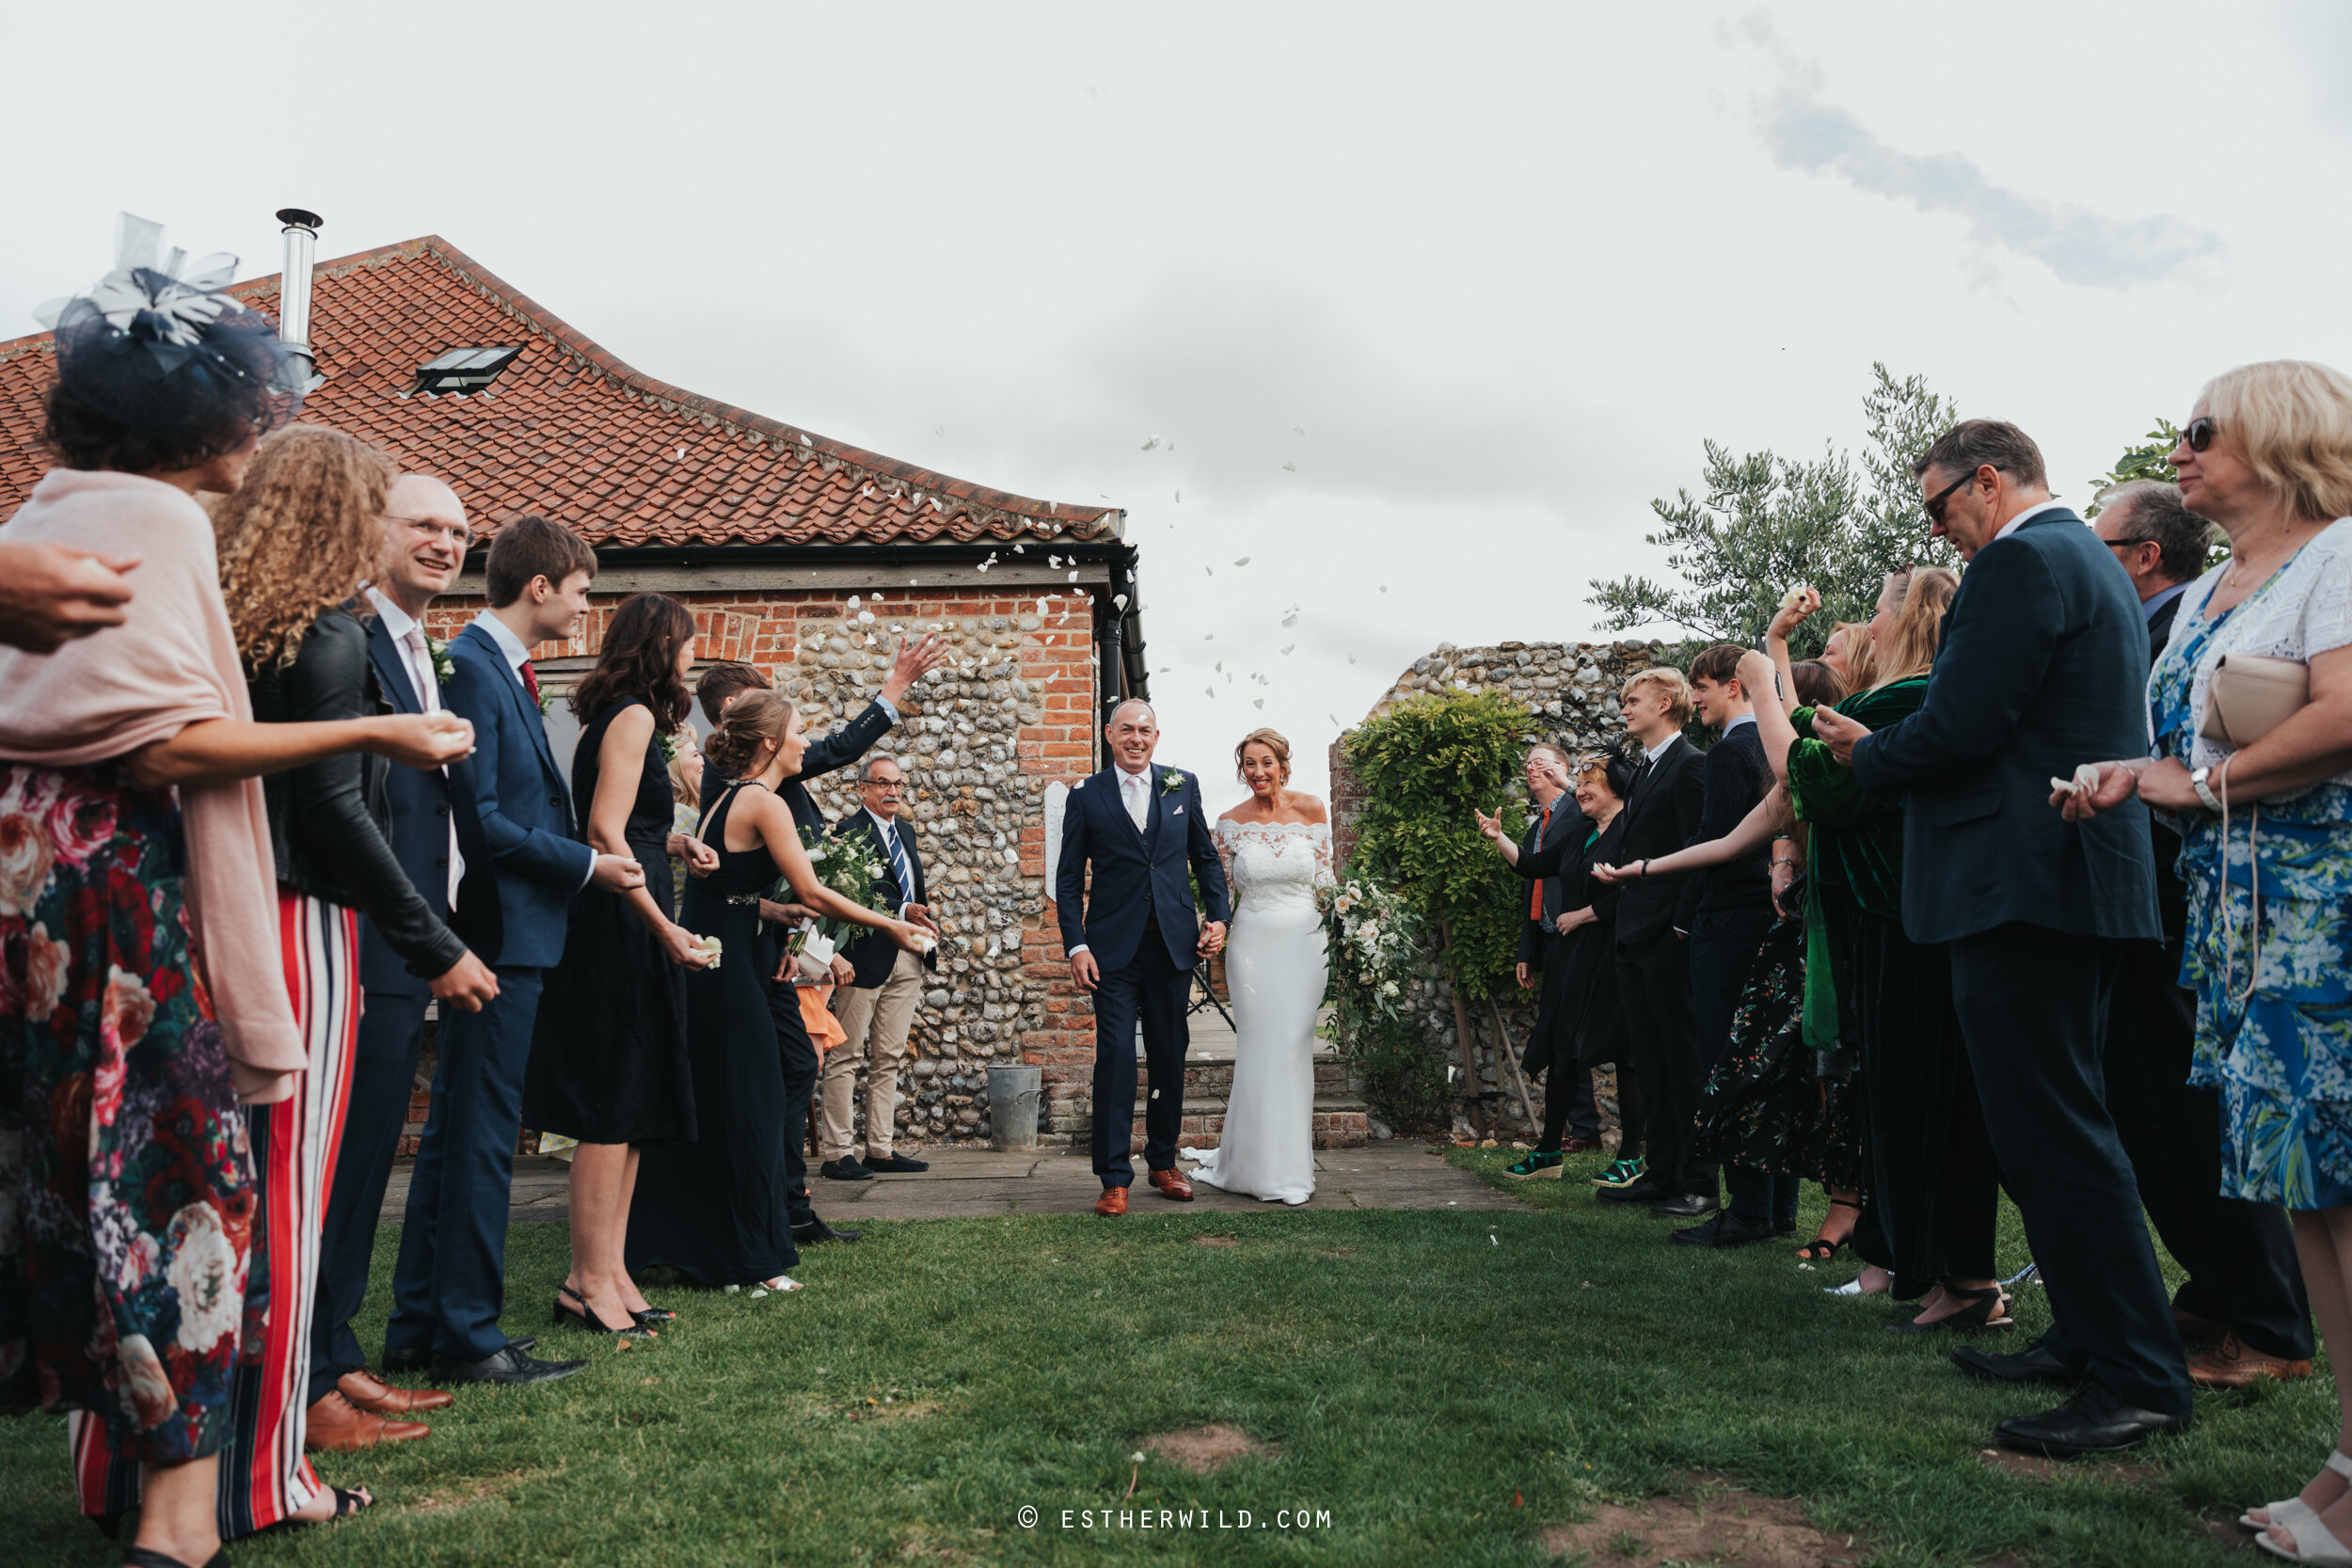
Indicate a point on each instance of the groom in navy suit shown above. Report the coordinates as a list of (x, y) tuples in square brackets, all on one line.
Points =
[(1139, 826), (450, 1284)]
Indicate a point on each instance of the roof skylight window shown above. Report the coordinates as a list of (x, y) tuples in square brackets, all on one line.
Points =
[(463, 370)]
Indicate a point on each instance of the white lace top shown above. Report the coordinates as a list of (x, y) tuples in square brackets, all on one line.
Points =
[(2304, 609), (1268, 862)]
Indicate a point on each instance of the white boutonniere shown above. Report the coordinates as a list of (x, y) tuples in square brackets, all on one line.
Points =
[(1171, 781), (444, 670), (546, 700)]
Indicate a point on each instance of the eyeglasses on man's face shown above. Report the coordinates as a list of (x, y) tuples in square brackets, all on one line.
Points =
[(886, 786)]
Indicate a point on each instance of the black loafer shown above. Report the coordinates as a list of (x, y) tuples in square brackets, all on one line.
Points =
[(1725, 1230), (805, 1234), (2094, 1421), (845, 1169), (1684, 1206), (2033, 1364), (897, 1165), (509, 1366)]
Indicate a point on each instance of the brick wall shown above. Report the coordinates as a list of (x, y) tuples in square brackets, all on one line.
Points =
[(980, 740), (1571, 689)]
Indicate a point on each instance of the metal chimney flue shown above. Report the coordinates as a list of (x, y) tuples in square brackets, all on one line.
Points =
[(294, 286)]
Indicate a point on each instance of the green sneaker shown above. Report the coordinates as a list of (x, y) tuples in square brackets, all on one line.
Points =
[(1621, 1173), (1535, 1163)]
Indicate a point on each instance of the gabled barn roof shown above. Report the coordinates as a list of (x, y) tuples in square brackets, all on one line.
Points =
[(568, 431)]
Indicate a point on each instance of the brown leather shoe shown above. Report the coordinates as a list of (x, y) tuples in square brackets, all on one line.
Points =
[(2231, 1365), (2196, 1332), (1113, 1201), (371, 1393), (337, 1425), (1171, 1183)]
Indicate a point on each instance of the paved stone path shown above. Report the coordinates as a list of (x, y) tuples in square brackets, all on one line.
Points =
[(1398, 1173)]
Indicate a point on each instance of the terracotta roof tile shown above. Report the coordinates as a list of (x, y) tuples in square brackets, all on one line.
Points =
[(569, 431)]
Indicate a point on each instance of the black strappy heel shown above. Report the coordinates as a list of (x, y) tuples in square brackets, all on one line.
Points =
[(585, 1317), (1821, 1249)]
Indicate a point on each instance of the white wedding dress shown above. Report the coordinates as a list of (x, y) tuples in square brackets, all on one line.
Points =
[(1274, 967)]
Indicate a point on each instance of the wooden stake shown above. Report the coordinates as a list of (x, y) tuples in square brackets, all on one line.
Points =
[(1527, 1101), (1462, 1032)]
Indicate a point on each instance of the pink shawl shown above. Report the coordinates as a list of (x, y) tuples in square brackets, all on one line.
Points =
[(173, 665)]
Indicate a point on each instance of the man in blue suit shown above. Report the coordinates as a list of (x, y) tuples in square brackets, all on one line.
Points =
[(449, 1286), (1140, 826), (2043, 666), (424, 545)]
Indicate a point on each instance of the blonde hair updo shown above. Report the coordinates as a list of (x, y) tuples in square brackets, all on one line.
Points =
[(1272, 741)]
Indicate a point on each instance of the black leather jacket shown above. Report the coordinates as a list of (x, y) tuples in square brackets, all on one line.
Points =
[(330, 821)]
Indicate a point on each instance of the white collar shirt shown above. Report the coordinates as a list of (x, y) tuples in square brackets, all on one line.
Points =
[(417, 658), (1134, 793), (1654, 752), (2027, 515), (503, 635)]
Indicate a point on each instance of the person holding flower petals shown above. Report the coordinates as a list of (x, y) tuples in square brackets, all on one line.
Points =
[(718, 1209)]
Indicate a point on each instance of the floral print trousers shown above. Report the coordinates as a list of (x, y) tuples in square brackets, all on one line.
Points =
[(127, 1194)]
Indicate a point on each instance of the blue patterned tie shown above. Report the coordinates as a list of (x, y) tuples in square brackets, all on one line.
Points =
[(899, 865)]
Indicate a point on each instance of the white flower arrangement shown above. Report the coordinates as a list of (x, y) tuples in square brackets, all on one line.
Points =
[(1374, 943), (444, 668)]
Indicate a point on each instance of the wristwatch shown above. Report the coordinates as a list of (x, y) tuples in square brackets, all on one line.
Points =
[(2197, 781)]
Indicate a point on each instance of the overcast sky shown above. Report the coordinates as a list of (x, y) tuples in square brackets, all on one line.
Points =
[(1433, 298)]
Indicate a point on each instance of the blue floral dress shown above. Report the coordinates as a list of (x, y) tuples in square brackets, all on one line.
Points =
[(2282, 1057)]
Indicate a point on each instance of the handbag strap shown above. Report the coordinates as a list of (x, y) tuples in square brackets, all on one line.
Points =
[(2254, 892)]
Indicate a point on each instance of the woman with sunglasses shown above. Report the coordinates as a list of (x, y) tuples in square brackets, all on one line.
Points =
[(2266, 840)]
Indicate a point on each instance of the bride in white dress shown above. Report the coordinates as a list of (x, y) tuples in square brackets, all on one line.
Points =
[(1277, 849)]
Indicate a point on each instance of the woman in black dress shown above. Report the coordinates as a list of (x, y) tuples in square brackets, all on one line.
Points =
[(608, 1051), (716, 1210)]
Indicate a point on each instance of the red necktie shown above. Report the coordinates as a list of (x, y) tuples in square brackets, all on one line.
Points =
[(530, 681), (1536, 893)]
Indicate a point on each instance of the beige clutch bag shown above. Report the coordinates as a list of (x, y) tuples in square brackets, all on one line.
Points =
[(2251, 696)]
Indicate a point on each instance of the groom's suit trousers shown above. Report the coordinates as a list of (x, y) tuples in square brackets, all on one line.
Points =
[(1151, 990)]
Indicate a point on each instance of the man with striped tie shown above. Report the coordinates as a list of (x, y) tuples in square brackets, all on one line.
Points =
[(879, 1005)]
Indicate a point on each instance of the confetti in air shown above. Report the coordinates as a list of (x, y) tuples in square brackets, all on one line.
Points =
[(1286, 650), (1257, 701), (1242, 561), (1299, 430), (1149, 444), (1290, 468)]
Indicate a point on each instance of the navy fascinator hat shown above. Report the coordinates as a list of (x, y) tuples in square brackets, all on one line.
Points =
[(158, 347)]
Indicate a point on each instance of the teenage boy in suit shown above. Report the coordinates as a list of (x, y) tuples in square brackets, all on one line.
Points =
[(1653, 954), (450, 1284)]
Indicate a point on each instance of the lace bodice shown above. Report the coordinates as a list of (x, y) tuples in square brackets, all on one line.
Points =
[(1269, 862)]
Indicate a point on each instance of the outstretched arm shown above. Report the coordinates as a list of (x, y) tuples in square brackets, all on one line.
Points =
[(1755, 831)]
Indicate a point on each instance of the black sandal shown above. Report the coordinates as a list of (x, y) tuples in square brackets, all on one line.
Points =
[(351, 1502), (1975, 1317), (1821, 1249)]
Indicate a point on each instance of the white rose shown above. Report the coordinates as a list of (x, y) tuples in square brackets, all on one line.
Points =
[(26, 856), (207, 1276)]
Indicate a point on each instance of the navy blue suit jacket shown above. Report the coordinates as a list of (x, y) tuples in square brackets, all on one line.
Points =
[(533, 859), (423, 801), (1567, 820), (2043, 666), (1138, 877)]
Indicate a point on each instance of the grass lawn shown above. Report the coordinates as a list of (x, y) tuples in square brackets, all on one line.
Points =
[(1444, 1383)]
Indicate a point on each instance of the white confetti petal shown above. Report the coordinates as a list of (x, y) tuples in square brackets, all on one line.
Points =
[(1290, 468), (1242, 561), (1257, 701), (1288, 648)]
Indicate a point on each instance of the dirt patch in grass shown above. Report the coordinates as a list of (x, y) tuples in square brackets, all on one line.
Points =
[(1717, 1525), (2035, 1466), (1203, 1451), (1215, 1241), (465, 1494)]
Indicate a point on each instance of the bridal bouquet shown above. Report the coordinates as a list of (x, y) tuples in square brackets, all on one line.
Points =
[(1374, 943), (851, 867)]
